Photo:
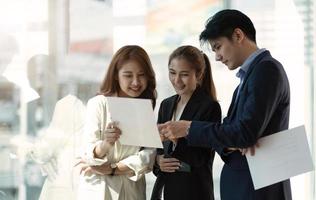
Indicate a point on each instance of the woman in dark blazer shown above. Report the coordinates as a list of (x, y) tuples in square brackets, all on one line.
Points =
[(185, 172)]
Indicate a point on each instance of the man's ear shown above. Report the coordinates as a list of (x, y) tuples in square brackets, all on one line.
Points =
[(238, 35)]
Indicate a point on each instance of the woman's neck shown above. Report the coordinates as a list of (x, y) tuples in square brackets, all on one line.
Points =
[(121, 94), (183, 99)]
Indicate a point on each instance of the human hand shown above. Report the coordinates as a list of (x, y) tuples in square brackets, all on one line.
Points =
[(249, 149), (174, 129), (87, 170), (162, 137), (168, 164), (112, 133), (104, 169)]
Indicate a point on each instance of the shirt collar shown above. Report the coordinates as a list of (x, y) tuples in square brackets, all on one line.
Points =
[(245, 66)]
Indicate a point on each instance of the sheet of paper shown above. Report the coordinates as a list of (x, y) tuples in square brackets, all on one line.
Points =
[(136, 121), (280, 156)]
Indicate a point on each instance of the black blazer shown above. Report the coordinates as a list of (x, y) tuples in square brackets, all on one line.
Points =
[(261, 109), (197, 184)]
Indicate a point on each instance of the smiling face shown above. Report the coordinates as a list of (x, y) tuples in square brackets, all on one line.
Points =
[(183, 77), (227, 51), (132, 79)]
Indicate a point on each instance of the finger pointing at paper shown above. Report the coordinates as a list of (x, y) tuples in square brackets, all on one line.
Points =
[(174, 129)]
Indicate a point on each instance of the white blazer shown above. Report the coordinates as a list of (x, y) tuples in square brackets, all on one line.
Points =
[(118, 187)]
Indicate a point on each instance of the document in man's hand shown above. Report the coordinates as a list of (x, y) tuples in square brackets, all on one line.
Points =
[(136, 121), (280, 156)]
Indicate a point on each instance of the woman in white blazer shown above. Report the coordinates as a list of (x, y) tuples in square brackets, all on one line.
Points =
[(110, 170)]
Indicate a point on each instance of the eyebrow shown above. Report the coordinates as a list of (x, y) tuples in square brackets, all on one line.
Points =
[(213, 47), (183, 71), (130, 72)]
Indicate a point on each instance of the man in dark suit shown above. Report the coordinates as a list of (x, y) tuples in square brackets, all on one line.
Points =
[(260, 106)]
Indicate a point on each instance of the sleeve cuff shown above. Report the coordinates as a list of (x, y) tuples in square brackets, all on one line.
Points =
[(88, 156), (141, 163), (200, 136)]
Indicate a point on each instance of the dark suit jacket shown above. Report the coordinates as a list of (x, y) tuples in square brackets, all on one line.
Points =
[(261, 109), (197, 184)]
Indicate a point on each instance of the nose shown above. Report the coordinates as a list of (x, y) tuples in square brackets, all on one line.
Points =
[(177, 79), (135, 81), (218, 57)]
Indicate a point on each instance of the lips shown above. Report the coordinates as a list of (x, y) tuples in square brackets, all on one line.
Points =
[(135, 89), (179, 88)]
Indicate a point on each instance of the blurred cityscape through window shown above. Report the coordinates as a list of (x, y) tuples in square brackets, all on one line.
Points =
[(52, 48)]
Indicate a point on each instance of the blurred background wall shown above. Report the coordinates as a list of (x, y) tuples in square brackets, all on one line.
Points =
[(51, 48)]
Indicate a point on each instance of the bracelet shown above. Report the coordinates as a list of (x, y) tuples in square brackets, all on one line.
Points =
[(113, 167), (113, 171)]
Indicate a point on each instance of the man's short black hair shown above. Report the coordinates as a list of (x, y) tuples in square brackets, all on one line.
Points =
[(223, 24)]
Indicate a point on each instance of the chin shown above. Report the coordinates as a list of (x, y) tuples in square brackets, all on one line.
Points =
[(231, 67), (182, 93), (134, 94), (179, 92)]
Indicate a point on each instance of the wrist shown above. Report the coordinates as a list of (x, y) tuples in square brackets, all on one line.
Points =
[(113, 169), (100, 150), (105, 147), (158, 157), (188, 128)]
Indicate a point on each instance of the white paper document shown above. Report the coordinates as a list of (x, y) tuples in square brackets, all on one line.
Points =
[(280, 156), (136, 121)]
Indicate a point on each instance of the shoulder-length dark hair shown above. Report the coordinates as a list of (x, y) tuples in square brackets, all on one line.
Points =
[(110, 84), (200, 63)]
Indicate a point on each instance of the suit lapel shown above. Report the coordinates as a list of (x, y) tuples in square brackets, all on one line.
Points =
[(189, 112), (234, 103), (172, 105), (253, 64), (169, 114), (192, 106)]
